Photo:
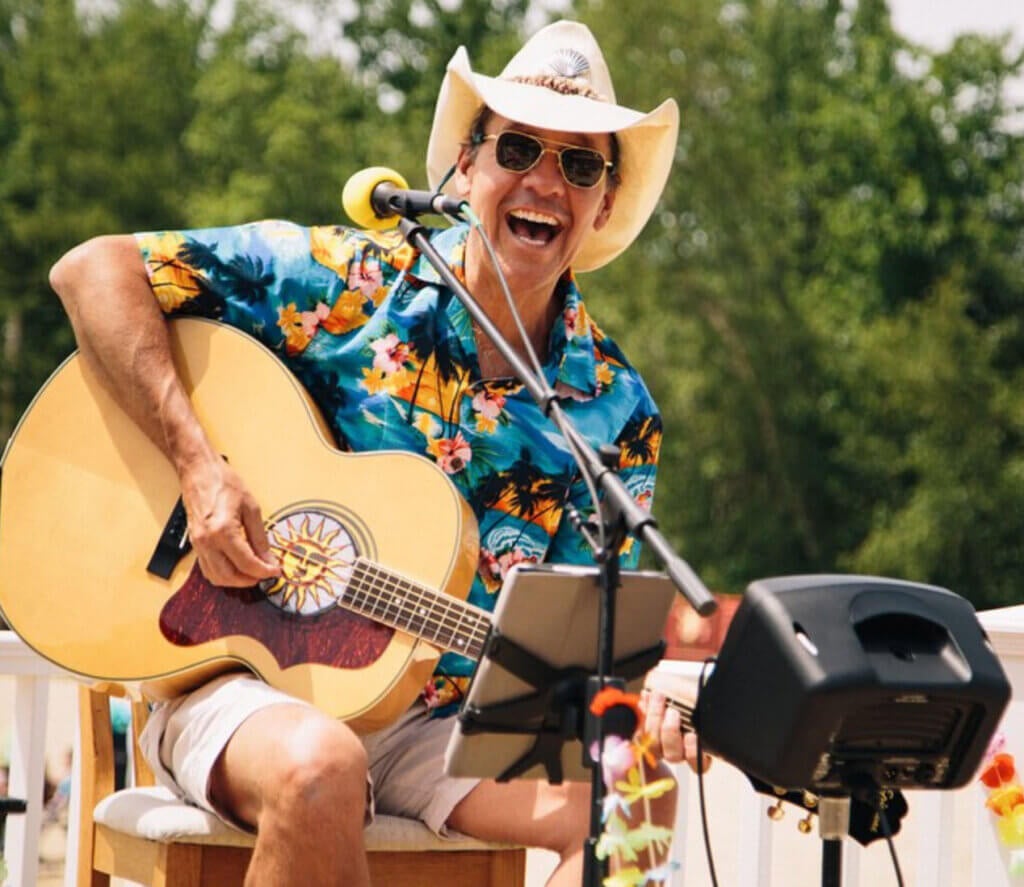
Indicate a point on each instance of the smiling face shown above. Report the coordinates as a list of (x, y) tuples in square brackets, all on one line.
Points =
[(535, 219)]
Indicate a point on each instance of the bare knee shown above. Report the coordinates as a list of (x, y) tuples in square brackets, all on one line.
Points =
[(318, 771), (290, 765)]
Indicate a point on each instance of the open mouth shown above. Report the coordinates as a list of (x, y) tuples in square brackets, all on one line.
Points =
[(533, 227)]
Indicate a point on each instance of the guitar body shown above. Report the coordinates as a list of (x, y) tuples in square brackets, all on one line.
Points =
[(86, 496)]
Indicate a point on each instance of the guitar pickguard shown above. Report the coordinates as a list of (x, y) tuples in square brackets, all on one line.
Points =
[(201, 611), (296, 617)]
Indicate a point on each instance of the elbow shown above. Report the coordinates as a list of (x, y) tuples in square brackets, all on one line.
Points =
[(91, 264), (68, 269)]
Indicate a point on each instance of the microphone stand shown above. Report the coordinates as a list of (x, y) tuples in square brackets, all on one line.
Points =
[(619, 512)]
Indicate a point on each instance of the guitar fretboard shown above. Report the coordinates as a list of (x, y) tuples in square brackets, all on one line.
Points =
[(393, 600), (685, 711)]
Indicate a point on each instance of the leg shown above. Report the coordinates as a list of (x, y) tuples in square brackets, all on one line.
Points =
[(532, 813), (299, 778), (536, 814)]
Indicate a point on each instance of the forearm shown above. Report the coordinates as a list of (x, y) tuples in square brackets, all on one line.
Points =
[(122, 336)]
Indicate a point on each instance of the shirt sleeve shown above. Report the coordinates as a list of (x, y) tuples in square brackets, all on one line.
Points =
[(276, 280)]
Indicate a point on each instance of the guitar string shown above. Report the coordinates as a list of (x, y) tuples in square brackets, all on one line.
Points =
[(685, 712), (445, 619), (412, 600)]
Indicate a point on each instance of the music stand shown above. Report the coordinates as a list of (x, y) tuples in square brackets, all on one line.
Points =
[(525, 714)]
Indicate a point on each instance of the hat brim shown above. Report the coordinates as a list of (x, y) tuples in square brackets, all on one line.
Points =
[(646, 141)]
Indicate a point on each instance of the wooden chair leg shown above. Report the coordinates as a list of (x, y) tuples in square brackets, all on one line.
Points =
[(179, 865)]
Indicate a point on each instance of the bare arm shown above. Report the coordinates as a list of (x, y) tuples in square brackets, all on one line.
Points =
[(122, 336)]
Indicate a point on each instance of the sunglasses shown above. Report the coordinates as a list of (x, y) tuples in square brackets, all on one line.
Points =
[(520, 152)]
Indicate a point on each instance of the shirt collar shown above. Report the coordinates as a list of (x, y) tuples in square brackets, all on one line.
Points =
[(570, 364), (451, 244)]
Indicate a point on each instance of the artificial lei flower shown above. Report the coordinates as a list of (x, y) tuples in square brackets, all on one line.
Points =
[(622, 768), (1006, 800)]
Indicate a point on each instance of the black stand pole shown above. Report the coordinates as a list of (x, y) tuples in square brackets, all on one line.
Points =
[(834, 824), (595, 870), (831, 862), (621, 516)]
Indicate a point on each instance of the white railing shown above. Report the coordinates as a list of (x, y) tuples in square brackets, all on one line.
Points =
[(947, 839), (31, 676)]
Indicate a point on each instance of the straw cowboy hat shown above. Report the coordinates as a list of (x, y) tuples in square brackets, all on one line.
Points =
[(647, 141)]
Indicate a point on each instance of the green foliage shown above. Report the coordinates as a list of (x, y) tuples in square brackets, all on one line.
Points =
[(403, 47), (827, 303)]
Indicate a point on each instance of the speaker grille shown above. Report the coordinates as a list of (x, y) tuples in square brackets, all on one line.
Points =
[(896, 727)]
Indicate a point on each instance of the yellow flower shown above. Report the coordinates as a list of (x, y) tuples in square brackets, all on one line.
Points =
[(347, 313), (398, 381), (330, 247), (485, 424), (626, 877), (1005, 799), (289, 319), (174, 282), (373, 380), (426, 424), (633, 788), (604, 374)]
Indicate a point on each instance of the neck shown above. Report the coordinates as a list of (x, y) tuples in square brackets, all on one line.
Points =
[(537, 307)]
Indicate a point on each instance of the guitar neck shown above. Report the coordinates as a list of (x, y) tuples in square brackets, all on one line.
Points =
[(384, 596), (685, 711)]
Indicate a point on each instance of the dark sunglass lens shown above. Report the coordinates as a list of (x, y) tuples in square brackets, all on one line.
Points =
[(517, 152), (582, 166)]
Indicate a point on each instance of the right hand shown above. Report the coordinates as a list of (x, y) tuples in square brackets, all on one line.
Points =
[(225, 526)]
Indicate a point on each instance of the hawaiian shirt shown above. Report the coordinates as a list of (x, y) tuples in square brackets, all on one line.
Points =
[(388, 353)]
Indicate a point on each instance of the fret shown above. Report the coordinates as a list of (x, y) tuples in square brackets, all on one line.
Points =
[(401, 603), (685, 711)]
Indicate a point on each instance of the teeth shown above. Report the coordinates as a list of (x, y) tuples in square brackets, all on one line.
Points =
[(528, 215)]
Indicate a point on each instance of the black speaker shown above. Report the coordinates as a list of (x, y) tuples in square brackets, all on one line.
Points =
[(833, 683)]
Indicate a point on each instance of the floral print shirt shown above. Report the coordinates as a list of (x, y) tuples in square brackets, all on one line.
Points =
[(388, 353)]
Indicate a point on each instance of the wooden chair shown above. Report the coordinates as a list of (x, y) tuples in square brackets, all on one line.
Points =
[(145, 834)]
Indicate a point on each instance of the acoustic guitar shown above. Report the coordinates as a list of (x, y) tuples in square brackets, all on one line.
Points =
[(378, 550)]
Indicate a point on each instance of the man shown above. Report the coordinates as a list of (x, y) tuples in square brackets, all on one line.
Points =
[(561, 178)]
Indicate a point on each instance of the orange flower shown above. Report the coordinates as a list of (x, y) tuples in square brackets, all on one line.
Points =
[(609, 697), (999, 771), (1003, 800)]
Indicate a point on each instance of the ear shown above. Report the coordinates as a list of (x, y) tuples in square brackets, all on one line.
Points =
[(463, 172), (604, 213)]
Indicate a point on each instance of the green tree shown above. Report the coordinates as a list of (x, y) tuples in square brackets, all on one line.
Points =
[(828, 303), (93, 111), (403, 47)]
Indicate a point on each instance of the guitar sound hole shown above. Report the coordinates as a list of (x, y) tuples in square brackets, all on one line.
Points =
[(316, 552)]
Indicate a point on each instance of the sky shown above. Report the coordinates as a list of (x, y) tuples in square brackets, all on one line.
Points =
[(935, 22)]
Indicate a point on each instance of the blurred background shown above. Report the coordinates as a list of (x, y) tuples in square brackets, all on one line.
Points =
[(828, 304)]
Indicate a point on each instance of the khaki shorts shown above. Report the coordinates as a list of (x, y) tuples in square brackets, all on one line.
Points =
[(184, 738)]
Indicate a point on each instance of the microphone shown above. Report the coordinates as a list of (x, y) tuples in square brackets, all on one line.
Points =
[(377, 197)]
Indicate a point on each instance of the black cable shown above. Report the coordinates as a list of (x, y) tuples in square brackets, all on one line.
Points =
[(700, 781), (883, 821)]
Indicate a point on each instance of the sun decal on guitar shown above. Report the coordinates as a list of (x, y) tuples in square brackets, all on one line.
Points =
[(316, 551)]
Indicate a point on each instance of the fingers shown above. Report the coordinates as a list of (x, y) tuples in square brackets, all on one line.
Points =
[(226, 557), (226, 529), (670, 740), (663, 726), (256, 536), (701, 766)]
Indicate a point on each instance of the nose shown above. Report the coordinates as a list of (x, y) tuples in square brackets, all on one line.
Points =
[(546, 174)]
